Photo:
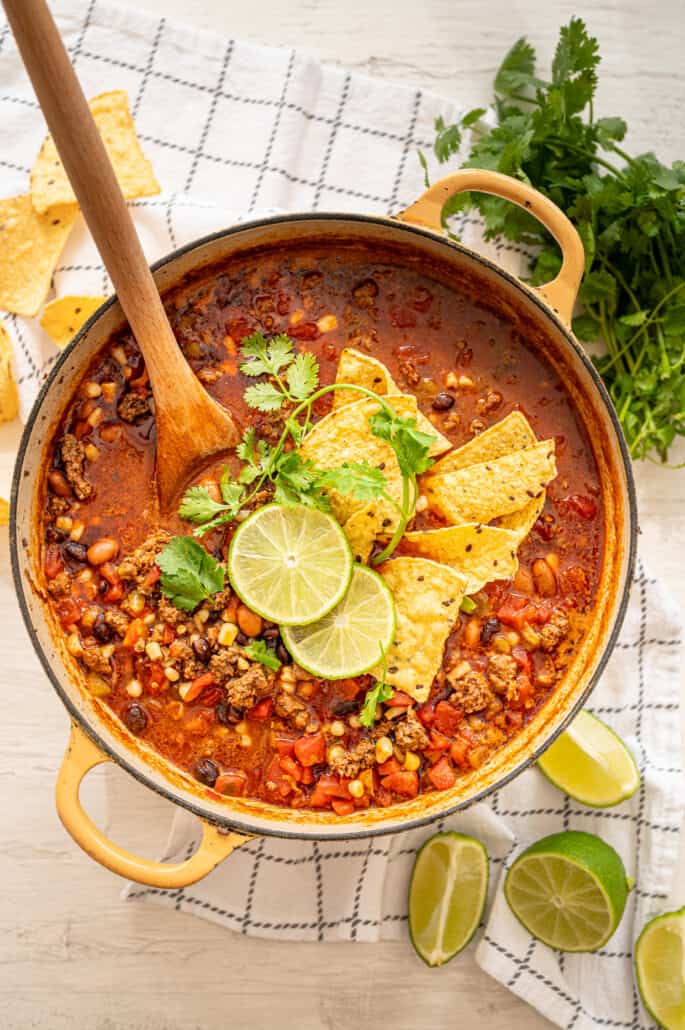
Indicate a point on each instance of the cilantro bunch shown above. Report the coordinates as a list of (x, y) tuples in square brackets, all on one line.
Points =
[(629, 212), (289, 384)]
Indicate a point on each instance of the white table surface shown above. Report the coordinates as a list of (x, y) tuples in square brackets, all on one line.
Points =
[(71, 954)]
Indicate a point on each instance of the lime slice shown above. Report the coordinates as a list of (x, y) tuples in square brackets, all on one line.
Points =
[(290, 564), (591, 764), (569, 890), (447, 895), (660, 969), (350, 639)]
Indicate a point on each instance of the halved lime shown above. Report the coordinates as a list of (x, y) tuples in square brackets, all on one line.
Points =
[(660, 969), (447, 894), (290, 564), (351, 638), (569, 890), (591, 764)]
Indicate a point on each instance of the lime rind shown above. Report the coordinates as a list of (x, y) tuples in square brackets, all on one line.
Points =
[(291, 565), (328, 649), (659, 961), (591, 764), (447, 896)]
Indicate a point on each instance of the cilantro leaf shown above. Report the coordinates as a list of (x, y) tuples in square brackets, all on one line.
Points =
[(264, 397), (411, 446), (189, 573), (361, 480), (375, 695), (198, 505), (517, 70), (298, 482), (259, 651), (257, 455), (303, 376), (262, 357)]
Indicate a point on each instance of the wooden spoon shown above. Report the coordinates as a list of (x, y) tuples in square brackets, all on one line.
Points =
[(191, 427)]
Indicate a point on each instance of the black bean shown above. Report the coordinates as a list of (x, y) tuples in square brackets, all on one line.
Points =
[(101, 630), (241, 639), (227, 714), (442, 401), (206, 771), (345, 707), (488, 630), (135, 718), (282, 654), (202, 649), (271, 633), (53, 534), (79, 552)]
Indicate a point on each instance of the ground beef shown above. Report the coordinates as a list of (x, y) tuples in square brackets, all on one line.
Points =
[(554, 631), (244, 690), (192, 667), (287, 706), (94, 660), (409, 733), (410, 373), (545, 673), (117, 620), (223, 664), (137, 565), (133, 406), (217, 602), (57, 505), (365, 294), (471, 691), (502, 671), (60, 585), (363, 340), (73, 457), (169, 613), (350, 763)]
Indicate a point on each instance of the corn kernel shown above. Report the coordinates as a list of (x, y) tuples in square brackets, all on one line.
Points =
[(107, 651), (421, 503), (135, 602), (109, 391), (353, 722), (243, 664), (338, 728), (513, 637), (451, 381), (383, 749), (336, 753), (327, 323), (245, 740), (411, 761), (149, 618), (500, 643), (153, 651), (85, 576), (173, 675), (93, 390), (119, 355), (74, 646), (77, 531), (356, 788), (88, 618), (296, 316), (241, 728), (200, 618), (465, 382), (531, 636), (95, 417), (367, 779), (134, 688), (91, 452), (181, 629), (287, 674), (183, 689), (64, 523), (227, 634)]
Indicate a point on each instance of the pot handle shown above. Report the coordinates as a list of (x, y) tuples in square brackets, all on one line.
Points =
[(561, 292), (81, 756)]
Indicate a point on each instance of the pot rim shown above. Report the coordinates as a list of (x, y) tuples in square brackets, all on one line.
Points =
[(231, 822)]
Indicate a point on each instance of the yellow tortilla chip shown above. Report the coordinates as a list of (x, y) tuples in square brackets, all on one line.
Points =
[(361, 529), (63, 318), (512, 433), (49, 182), (345, 435), (30, 246), (9, 398), (480, 553), (427, 599), (4, 512), (362, 370), (522, 521), (483, 492)]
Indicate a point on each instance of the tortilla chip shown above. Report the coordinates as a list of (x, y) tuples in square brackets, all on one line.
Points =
[(480, 553), (427, 599), (9, 398), (49, 182), (522, 521), (4, 512), (362, 370), (361, 529), (345, 435), (483, 492), (63, 318), (512, 433), (30, 246)]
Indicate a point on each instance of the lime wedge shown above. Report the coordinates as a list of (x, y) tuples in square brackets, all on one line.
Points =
[(290, 564), (447, 894), (660, 969), (591, 764), (569, 890), (349, 640)]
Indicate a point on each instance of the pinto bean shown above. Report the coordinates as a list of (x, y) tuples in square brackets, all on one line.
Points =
[(103, 550), (443, 401), (545, 580), (250, 623), (59, 483)]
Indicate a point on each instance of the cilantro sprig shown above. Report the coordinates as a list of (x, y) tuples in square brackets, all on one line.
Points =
[(259, 651), (189, 574), (629, 212), (376, 695)]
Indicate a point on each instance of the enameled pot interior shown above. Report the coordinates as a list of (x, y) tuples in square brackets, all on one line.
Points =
[(464, 270)]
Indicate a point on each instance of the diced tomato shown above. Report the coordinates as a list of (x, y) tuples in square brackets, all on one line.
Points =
[(68, 611), (53, 562), (154, 674), (389, 767), (404, 782), (304, 331), (438, 741), (402, 317), (109, 571), (136, 630), (262, 710), (342, 807), (383, 797), (442, 775), (168, 634), (400, 700), (522, 658), (447, 718), (432, 756), (426, 714), (458, 751), (307, 776), (284, 745), (514, 719), (152, 577), (198, 685), (291, 767), (515, 611), (310, 749), (274, 774), (231, 784), (319, 798), (332, 787), (210, 696), (113, 594), (525, 692), (582, 505)]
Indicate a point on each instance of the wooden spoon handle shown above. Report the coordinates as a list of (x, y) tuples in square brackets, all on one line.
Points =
[(91, 174)]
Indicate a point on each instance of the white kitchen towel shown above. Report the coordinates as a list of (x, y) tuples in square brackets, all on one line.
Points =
[(234, 129)]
